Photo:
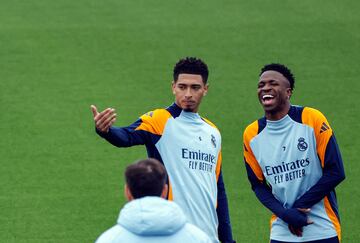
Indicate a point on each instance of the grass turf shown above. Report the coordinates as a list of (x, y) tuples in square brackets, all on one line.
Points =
[(61, 183)]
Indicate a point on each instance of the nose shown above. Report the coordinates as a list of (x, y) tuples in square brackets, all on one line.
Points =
[(188, 93), (266, 87)]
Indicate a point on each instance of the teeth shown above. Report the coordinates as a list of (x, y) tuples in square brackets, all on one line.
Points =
[(267, 96)]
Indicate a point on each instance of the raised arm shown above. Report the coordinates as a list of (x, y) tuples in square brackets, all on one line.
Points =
[(117, 136)]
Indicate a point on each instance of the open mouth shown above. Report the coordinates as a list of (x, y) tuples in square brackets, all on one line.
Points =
[(267, 99)]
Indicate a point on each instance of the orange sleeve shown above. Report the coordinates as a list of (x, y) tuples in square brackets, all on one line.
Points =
[(154, 121), (170, 193), (210, 123), (250, 132), (219, 161), (218, 165), (322, 130)]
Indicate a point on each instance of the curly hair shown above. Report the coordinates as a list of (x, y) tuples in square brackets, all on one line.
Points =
[(285, 71), (191, 65)]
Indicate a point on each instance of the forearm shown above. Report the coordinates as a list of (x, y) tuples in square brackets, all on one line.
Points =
[(322, 188), (264, 194), (123, 136), (333, 174)]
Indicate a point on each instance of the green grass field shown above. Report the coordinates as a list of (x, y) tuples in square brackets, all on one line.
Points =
[(61, 183)]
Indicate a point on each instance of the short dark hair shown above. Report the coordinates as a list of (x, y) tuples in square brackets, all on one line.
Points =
[(145, 178), (285, 71), (191, 65)]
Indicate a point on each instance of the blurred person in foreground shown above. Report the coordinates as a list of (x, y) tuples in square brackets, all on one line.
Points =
[(148, 217)]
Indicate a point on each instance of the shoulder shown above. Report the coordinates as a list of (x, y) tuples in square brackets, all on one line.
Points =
[(314, 118), (194, 234), (210, 123), (154, 121), (308, 111), (158, 114), (251, 131), (113, 235)]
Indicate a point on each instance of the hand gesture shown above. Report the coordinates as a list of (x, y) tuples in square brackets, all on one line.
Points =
[(104, 119), (299, 230)]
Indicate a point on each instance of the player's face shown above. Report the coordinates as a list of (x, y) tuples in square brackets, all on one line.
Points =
[(189, 89), (274, 93)]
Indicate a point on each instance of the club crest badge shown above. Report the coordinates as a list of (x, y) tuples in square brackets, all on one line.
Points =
[(302, 145), (213, 140)]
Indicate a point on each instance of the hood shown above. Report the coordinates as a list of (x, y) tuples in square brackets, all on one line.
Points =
[(151, 216)]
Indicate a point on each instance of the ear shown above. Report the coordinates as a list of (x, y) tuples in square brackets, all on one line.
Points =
[(164, 191), (206, 88), (289, 93), (173, 85), (127, 193)]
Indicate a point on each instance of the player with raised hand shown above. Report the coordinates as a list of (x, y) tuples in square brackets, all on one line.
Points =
[(187, 144)]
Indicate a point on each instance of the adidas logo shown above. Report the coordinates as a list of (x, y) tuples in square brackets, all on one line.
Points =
[(324, 127), (150, 113), (245, 148)]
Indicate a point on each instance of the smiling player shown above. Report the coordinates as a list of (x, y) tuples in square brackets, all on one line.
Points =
[(293, 163)]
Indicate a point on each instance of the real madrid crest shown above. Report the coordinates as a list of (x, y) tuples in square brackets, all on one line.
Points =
[(302, 145), (213, 140)]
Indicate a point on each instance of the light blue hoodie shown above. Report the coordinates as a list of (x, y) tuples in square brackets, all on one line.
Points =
[(152, 219)]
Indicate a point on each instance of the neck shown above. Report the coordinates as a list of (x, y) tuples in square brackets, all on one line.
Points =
[(277, 114)]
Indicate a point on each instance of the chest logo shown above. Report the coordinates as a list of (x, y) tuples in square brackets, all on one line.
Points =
[(213, 140), (302, 145)]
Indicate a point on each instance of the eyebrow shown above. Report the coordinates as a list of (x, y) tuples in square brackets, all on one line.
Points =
[(269, 81), (188, 84)]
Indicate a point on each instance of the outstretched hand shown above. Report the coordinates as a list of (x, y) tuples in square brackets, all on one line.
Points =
[(103, 120), (299, 230)]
